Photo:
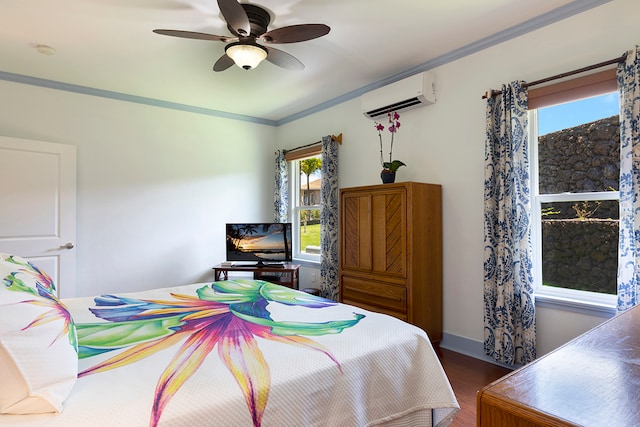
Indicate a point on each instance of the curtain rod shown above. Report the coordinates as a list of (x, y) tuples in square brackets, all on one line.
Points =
[(491, 92), (338, 139)]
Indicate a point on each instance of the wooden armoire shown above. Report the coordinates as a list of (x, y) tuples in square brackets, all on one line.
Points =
[(391, 251)]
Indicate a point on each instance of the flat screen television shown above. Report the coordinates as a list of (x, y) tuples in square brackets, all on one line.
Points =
[(262, 243)]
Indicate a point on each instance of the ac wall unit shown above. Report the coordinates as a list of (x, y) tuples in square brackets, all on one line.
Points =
[(412, 92)]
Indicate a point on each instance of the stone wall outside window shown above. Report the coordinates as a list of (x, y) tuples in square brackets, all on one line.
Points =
[(580, 240)]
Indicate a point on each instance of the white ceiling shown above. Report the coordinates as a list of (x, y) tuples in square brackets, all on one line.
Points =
[(107, 47)]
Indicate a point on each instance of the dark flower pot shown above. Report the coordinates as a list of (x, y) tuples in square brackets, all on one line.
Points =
[(387, 176)]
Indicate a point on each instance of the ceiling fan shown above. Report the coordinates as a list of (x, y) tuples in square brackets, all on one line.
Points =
[(248, 23)]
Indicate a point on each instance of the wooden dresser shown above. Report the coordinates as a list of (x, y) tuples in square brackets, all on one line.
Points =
[(593, 380), (391, 251)]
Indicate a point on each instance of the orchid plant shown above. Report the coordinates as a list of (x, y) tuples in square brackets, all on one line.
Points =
[(394, 124)]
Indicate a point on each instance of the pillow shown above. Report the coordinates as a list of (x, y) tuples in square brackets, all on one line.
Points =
[(38, 344)]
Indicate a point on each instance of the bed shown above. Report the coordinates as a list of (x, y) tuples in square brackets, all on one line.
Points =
[(228, 353)]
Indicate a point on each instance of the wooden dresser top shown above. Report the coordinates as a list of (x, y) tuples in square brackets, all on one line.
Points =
[(593, 380)]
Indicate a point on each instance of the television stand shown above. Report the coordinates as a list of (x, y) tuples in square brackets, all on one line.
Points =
[(281, 274)]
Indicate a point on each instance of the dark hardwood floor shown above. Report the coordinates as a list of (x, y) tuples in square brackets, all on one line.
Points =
[(467, 376)]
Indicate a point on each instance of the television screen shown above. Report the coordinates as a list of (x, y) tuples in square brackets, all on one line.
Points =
[(259, 242)]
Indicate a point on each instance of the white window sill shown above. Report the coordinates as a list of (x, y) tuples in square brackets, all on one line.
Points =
[(576, 306), (306, 262)]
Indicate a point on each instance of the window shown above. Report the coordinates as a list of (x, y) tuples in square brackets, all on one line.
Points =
[(575, 146), (306, 177)]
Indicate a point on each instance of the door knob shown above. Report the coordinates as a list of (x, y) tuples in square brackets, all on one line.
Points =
[(67, 246)]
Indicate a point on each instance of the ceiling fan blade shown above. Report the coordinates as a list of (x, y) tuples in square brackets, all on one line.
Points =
[(283, 59), (195, 35), (223, 63), (295, 33), (236, 17)]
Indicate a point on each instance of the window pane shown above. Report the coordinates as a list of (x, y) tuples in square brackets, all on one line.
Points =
[(578, 150), (306, 209), (310, 180), (580, 245), (310, 231)]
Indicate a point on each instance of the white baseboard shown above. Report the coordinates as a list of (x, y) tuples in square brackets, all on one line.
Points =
[(469, 347)]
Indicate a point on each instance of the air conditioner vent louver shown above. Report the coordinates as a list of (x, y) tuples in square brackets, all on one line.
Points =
[(402, 105), (412, 92)]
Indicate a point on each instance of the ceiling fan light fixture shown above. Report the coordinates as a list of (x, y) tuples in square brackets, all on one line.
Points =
[(246, 56)]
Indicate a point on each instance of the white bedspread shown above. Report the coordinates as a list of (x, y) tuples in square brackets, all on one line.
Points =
[(345, 370)]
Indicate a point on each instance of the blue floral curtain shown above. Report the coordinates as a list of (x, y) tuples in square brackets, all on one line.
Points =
[(281, 189), (629, 242), (329, 225), (509, 309)]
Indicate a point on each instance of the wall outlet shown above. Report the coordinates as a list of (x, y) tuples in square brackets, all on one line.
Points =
[(313, 277)]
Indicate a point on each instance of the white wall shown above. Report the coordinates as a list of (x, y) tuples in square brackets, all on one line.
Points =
[(155, 186), (444, 143)]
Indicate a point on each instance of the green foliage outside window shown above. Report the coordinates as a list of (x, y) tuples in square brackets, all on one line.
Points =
[(310, 236)]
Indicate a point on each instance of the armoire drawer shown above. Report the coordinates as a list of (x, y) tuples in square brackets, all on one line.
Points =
[(374, 293), (397, 314)]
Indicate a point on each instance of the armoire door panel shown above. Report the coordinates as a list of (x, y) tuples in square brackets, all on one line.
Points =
[(389, 232), (356, 225)]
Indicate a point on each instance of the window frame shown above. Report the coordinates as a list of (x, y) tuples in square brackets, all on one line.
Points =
[(568, 91), (295, 208)]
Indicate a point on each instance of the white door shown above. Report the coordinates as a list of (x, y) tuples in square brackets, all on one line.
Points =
[(38, 207)]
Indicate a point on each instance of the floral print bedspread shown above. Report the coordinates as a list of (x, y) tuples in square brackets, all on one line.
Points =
[(246, 352)]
